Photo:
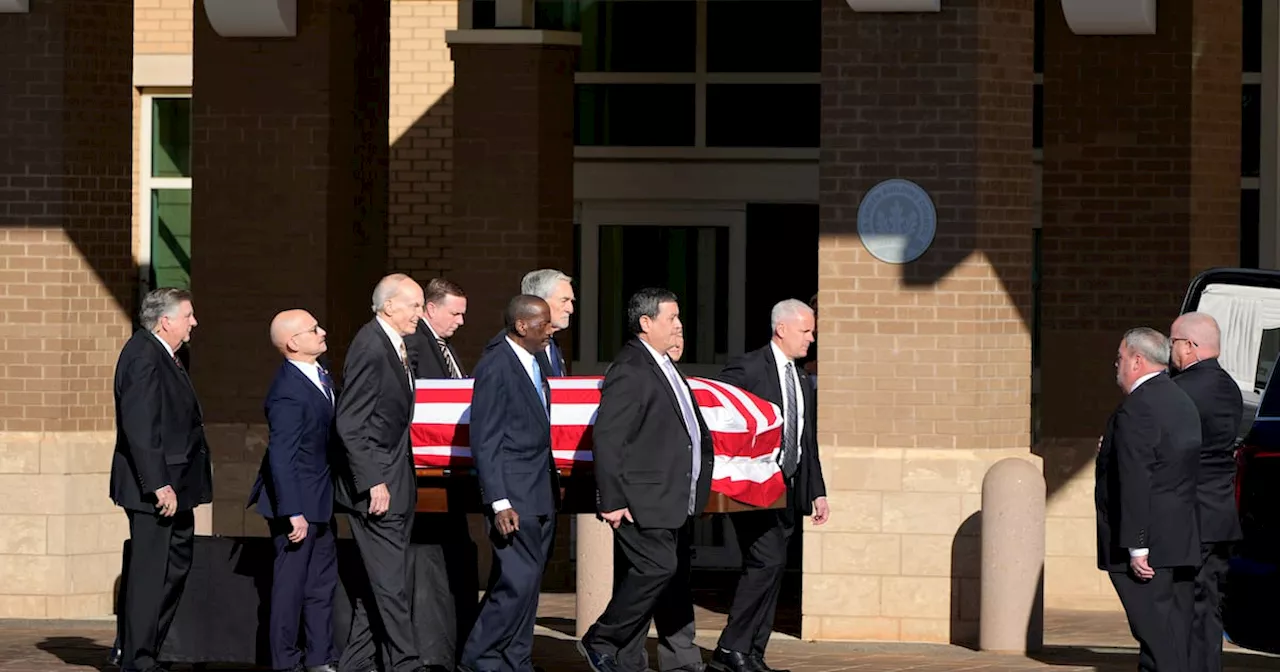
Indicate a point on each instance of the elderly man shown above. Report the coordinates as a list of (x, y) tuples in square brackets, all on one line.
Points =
[(1194, 341), (374, 482), (159, 473), (295, 494), (1145, 495), (772, 373), (556, 289)]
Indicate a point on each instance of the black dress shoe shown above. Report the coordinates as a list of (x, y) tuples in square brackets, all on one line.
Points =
[(761, 666), (327, 667), (296, 667), (724, 660), (599, 662), (113, 656), (691, 667)]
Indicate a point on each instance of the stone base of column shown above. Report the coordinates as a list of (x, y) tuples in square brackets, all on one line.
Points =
[(595, 570)]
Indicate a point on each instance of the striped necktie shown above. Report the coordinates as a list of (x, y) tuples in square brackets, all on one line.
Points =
[(450, 364)]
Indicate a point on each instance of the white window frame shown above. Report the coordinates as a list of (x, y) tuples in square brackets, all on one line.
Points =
[(700, 78), (593, 215), (147, 183)]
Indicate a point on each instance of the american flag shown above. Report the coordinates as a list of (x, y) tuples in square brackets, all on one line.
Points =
[(746, 429)]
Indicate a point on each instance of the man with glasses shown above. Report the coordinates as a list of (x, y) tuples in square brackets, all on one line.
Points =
[(294, 493), (1195, 347)]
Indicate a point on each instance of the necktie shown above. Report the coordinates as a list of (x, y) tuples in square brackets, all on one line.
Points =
[(790, 455), (554, 352), (537, 385), (450, 365), (690, 423), (178, 362), (404, 362), (326, 381)]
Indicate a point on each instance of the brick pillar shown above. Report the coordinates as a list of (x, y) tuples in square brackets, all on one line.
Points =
[(68, 280), (512, 167), (924, 368), (1141, 192), (289, 156)]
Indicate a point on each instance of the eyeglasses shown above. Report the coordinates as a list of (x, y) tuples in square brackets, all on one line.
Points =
[(312, 330), (1173, 341)]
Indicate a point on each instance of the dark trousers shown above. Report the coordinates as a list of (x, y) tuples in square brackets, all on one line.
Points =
[(381, 616), (1206, 622), (159, 560), (1159, 613), (302, 584), (646, 564), (763, 537), (673, 618), (502, 638)]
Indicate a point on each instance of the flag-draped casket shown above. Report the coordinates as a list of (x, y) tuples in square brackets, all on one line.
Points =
[(747, 431)]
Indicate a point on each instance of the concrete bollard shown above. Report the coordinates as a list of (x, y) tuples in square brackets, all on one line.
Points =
[(1011, 619), (594, 556)]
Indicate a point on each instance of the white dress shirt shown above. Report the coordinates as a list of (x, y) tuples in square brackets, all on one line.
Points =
[(1139, 552), (781, 360), (526, 363)]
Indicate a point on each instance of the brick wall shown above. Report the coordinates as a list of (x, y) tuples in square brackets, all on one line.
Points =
[(1141, 192), (924, 368), (65, 271), (163, 26), (421, 127)]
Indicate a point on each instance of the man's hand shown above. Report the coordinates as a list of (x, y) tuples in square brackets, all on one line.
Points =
[(614, 518), (1141, 568), (507, 521), (379, 499), (166, 501), (821, 512), (299, 528)]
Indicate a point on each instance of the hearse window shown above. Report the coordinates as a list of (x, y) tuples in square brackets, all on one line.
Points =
[(1267, 355), (1250, 320)]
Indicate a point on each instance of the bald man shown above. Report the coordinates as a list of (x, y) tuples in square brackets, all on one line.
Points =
[(294, 493), (1194, 339)]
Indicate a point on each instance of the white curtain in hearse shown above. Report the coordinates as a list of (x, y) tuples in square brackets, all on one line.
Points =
[(1243, 313)]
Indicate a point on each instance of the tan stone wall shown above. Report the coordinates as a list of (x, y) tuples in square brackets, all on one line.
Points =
[(162, 26)]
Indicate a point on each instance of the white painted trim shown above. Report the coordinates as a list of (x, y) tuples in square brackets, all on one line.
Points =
[(1110, 17), (1250, 183), (14, 6), (895, 5), (253, 18), (1038, 78), (147, 183), (1037, 155), (1251, 78), (513, 36), (698, 153), (157, 70), (655, 213), (696, 182)]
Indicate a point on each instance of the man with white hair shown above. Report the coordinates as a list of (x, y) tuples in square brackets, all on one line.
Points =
[(1194, 342), (771, 373), (1145, 496), (374, 481), (556, 289)]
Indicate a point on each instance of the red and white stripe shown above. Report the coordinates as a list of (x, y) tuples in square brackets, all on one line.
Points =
[(746, 429)]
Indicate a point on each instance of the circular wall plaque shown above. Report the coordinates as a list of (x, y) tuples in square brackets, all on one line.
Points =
[(897, 221)]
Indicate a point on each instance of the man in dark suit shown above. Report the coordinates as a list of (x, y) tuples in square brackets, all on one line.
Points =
[(1145, 494), (653, 464), (772, 373), (295, 494), (556, 289), (159, 473), (1194, 339), (511, 444), (444, 309), (374, 479)]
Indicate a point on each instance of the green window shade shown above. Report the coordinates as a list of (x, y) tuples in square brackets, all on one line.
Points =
[(171, 238), (171, 137)]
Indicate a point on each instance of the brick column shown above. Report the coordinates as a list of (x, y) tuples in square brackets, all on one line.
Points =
[(512, 167), (1141, 192), (68, 281), (288, 211), (924, 368)]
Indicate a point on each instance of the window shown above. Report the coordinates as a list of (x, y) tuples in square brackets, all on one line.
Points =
[(700, 254), (165, 191)]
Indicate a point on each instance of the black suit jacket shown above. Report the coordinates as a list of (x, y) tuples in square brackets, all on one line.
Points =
[(374, 412), (1145, 487), (1221, 406), (757, 373), (425, 357), (159, 430), (294, 477), (511, 434), (641, 446)]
